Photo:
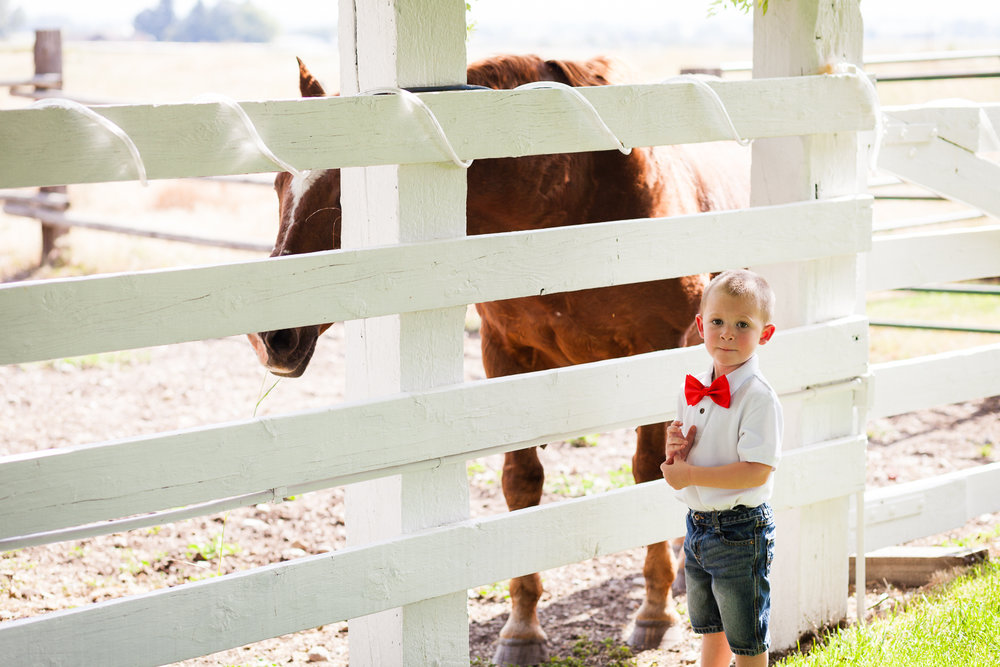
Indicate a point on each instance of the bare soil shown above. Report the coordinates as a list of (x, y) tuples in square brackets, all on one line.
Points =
[(105, 397)]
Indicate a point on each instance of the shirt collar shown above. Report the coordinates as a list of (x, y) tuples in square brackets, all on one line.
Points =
[(740, 375)]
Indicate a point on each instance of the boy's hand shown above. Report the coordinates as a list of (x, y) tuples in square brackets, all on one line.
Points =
[(677, 474), (678, 445)]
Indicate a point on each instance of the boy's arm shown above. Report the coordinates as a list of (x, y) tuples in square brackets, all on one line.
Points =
[(739, 475)]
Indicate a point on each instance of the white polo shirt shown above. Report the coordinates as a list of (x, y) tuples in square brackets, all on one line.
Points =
[(748, 430)]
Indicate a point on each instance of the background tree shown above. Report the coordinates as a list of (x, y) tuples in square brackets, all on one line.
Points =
[(223, 21), (156, 22), (11, 18)]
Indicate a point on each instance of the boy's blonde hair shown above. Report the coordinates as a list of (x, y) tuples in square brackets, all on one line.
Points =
[(744, 284)]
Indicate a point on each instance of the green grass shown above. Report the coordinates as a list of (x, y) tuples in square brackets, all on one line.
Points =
[(888, 344), (958, 624), (978, 539), (585, 484)]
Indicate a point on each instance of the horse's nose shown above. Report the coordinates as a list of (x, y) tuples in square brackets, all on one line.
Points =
[(282, 339)]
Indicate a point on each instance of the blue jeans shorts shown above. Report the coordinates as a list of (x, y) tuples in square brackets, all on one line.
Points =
[(728, 565)]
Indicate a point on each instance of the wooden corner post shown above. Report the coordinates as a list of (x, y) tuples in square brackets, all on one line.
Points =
[(403, 43), (805, 37), (48, 75)]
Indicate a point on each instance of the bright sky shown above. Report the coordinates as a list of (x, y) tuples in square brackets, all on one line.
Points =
[(531, 12)]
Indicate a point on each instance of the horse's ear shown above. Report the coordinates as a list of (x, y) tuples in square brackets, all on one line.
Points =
[(593, 72), (308, 84)]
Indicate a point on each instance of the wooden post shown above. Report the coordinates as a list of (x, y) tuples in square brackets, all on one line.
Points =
[(400, 43), (49, 61), (809, 577)]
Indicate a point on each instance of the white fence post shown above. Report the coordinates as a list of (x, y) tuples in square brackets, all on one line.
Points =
[(803, 38), (397, 44)]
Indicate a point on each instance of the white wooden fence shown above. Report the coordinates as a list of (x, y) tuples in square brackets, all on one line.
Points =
[(412, 424), (945, 148)]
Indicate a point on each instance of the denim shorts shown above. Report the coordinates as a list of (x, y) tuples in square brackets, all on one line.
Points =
[(728, 565)]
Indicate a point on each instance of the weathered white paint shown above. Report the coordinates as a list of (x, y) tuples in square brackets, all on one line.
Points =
[(410, 431), (352, 131), (804, 38), (904, 512), (68, 317), (938, 163), (922, 258), (403, 43), (236, 609), (965, 124), (923, 382)]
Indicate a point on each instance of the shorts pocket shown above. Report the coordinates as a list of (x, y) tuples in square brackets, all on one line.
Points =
[(739, 534)]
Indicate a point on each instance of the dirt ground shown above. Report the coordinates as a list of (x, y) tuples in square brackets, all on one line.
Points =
[(56, 404)]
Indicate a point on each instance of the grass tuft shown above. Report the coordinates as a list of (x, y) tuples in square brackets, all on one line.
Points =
[(953, 625)]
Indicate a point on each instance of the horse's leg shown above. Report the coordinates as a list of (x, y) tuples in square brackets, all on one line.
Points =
[(522, 640), (656, 614)]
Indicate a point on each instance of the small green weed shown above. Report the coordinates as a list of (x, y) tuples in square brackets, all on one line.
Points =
[(975, 539), (575, 486), (602, 653), (585, 653), (214, 548), (497, 591), (585, 440)]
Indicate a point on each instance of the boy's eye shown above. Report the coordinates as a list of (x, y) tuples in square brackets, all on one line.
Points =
[(742, 325), (717, 322)]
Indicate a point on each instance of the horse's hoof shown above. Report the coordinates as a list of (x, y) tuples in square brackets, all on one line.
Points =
[(520, 652), (649, 634)]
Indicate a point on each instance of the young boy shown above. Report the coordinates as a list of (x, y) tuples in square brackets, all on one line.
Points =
[(722, 470)]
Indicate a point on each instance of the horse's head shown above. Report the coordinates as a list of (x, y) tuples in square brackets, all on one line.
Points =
[(309, 205), (309, 215)]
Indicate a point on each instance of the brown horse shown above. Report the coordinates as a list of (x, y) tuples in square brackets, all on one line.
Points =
[(543, 332)]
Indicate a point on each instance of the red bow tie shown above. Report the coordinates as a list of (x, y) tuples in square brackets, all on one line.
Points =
[(718, 391)]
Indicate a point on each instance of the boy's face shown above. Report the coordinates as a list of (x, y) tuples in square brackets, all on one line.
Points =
[(732, 328)]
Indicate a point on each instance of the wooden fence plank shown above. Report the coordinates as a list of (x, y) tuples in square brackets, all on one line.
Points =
[(181, 140), (947, 169), (912, 260), (962, 123), (897, 514), (233, 610), (76, 316), (71, 486), (923, 382)]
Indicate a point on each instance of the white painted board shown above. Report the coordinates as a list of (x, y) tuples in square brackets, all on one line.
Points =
[(912, 260), (914, 384), (897, 514), (207, 139), (416, 430), (67, 317)]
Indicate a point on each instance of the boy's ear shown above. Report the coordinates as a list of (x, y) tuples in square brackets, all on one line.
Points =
[(700, 325), (766, 334)]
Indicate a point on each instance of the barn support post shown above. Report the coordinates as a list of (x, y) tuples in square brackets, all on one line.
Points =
[(400, 43), (48, 73), (805, 37)]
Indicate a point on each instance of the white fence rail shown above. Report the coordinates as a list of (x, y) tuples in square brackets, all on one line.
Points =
[(382, 129), (946, 149)]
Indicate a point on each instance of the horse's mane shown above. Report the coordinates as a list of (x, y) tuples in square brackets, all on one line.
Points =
[(510, 71)]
